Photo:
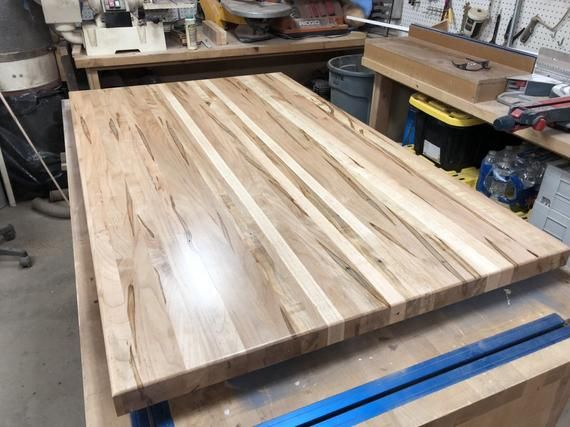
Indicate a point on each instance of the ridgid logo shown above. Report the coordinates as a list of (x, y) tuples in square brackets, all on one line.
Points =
[(309, 22)]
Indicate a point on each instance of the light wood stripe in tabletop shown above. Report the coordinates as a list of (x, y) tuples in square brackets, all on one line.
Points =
[(238, 222)]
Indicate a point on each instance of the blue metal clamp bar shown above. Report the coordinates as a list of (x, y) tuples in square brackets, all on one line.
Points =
[(153, 416), (350, 400), (385, 404)]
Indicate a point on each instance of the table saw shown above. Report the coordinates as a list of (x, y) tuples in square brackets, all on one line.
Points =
[(528, 390)]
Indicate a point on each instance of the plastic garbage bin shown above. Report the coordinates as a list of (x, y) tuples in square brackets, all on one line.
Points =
[(351, 85)]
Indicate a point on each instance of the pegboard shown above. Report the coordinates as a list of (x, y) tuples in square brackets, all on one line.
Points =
[(549, 10)]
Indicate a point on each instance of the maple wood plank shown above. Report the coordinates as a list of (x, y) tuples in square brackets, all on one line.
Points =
[(99, 410), (238, 222)]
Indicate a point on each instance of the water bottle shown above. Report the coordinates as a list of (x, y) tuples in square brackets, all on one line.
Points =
[(526, 182), (486, 168), (498, 183), (513, 175)]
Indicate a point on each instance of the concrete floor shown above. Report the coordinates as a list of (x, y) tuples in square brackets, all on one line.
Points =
[(40, 372), (40, 369)]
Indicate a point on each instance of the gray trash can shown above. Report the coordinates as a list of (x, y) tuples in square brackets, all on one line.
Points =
[(351, 85)]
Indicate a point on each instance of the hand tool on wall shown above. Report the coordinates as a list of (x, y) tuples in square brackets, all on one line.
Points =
[(554, 112), (509, 36), (466, 8), (559, 23), (447, 13), (517, 35), (529, 30), (496, 29), (508, 32), (535, 20)]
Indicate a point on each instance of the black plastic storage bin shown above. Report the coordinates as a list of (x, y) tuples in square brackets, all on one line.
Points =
[(450, 138)]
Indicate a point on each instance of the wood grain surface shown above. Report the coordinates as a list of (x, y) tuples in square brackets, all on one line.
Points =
[(233, 49), (99, 409), (551, 139), (532, 392), (433, 64), (238, 222)]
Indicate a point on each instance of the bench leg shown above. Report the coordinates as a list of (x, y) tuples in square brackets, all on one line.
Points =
[(93, 78), (380, 104)]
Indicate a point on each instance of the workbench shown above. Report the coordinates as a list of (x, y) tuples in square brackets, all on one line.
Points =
[(221, 57), (387, 79), (529, 391)]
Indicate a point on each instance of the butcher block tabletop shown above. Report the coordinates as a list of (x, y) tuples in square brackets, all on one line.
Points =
[(238, 222)]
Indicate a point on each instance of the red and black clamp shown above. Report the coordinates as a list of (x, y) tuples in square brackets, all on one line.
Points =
[(554, 112)]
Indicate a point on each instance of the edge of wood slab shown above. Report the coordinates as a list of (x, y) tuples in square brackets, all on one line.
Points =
[(99, 409), (273, 352)]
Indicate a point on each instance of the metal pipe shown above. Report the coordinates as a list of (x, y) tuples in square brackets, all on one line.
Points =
[(515, 21), (379, 24)]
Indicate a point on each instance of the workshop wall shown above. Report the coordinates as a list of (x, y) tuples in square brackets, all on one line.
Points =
[(428, 12)]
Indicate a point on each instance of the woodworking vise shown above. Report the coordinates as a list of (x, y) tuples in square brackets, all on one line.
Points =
[(109, 26)]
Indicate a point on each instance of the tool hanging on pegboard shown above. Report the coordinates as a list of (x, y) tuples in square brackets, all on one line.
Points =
[(466, 8), (518, 12), (508, 33), (535, 20), (447, 13), (476, 17), (496, 29)]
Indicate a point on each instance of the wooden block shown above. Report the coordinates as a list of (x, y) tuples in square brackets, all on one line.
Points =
[(239, 222), (61, 51), (215, 33), (515, 59), (442, 25), (433, 64)]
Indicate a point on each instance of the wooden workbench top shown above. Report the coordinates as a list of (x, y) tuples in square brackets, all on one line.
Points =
[(551, 139), (234, 48), (238, 222), (268, 393)]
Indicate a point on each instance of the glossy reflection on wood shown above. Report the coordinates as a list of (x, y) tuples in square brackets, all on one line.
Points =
[(238, 222)]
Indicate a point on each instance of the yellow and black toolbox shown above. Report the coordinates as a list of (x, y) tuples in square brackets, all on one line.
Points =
[(452, 139)]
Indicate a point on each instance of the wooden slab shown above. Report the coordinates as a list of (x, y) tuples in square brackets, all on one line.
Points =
[(533, 393), (238, 222), (471, 47), (432, 64)]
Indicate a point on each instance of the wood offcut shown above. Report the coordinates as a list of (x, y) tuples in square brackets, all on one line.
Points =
[(238, 222)]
